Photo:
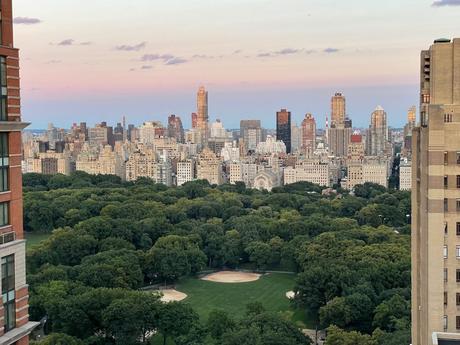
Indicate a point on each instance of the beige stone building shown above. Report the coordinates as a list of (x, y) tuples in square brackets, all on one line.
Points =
[(107, 162), (146, 163), (244, 172), (209, 167), (310, 170), (371, 169), (436, 199)]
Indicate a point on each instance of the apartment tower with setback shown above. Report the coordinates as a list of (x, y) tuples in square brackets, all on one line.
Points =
[(436, 199), (14, 314)]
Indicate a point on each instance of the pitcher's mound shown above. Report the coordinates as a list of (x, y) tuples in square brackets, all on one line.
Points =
[(171, 295), (231, 277)]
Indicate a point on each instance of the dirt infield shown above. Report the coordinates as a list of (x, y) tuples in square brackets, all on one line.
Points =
[(171, 295), (231, 277)]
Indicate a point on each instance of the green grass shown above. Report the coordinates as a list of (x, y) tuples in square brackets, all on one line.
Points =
[(34, 239), (270, 290)]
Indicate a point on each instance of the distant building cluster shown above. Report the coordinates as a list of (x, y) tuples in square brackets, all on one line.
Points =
[(253, 155)]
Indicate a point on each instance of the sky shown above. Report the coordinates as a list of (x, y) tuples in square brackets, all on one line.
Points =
[(145, 59)]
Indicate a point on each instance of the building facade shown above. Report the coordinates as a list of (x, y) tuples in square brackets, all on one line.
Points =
[(378, 132), (202, 118), (176, 129), (338, 109), (436, 199), (14, 308), (283, 128), (251, 133), (308, 144)]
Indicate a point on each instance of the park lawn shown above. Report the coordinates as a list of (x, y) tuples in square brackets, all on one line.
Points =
[(34, 239), (270, 290)]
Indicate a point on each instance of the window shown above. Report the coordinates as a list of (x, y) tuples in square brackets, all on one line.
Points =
[(458, 298), (458, 228), (445, 275), (458, 181), (458, 276), (458, 157), (445, 322), (8, 292), (4, 214), (4, 162), (446, 205), (446, 158), (458, 322), (446, 181), (445, 252), (447, 118), (446, 229), (4, 90), (457, 250), (445, 298), (458, 204)]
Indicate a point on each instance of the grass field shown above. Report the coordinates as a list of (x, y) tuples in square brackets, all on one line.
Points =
[(34, 239), (270, 290)]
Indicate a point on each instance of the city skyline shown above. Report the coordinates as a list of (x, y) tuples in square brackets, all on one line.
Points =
[(151, 67)]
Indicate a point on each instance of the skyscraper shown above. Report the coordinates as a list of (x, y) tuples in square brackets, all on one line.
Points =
[(283, 128), (411, 117), (194, 120), (308, 134), (202, 114), (176, 129), (378, 132), (436, 199), (338, 106), (251, 133), (14, 323)]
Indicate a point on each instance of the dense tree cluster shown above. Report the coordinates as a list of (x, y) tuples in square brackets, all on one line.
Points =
[(110, 238)]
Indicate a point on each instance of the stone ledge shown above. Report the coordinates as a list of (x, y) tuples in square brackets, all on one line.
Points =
[(12, 126), (18, 333)]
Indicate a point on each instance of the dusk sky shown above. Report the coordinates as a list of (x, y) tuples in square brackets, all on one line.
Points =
[(99, 60)]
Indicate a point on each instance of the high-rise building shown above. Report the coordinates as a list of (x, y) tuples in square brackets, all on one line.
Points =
[(339, 140), (251, 133), (202, 122), (194, 120), (340, 131), (308, 134), (296, 137), (378, 132), (283, 128), (436, 199), (176, 129), (149, 131), (338, 107), (14, 322), (407, 140), (101, 134)]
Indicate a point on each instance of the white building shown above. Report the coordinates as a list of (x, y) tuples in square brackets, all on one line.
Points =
[(271, 145), (266, 180), (185, 172), (405, 175), (230, 152)]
